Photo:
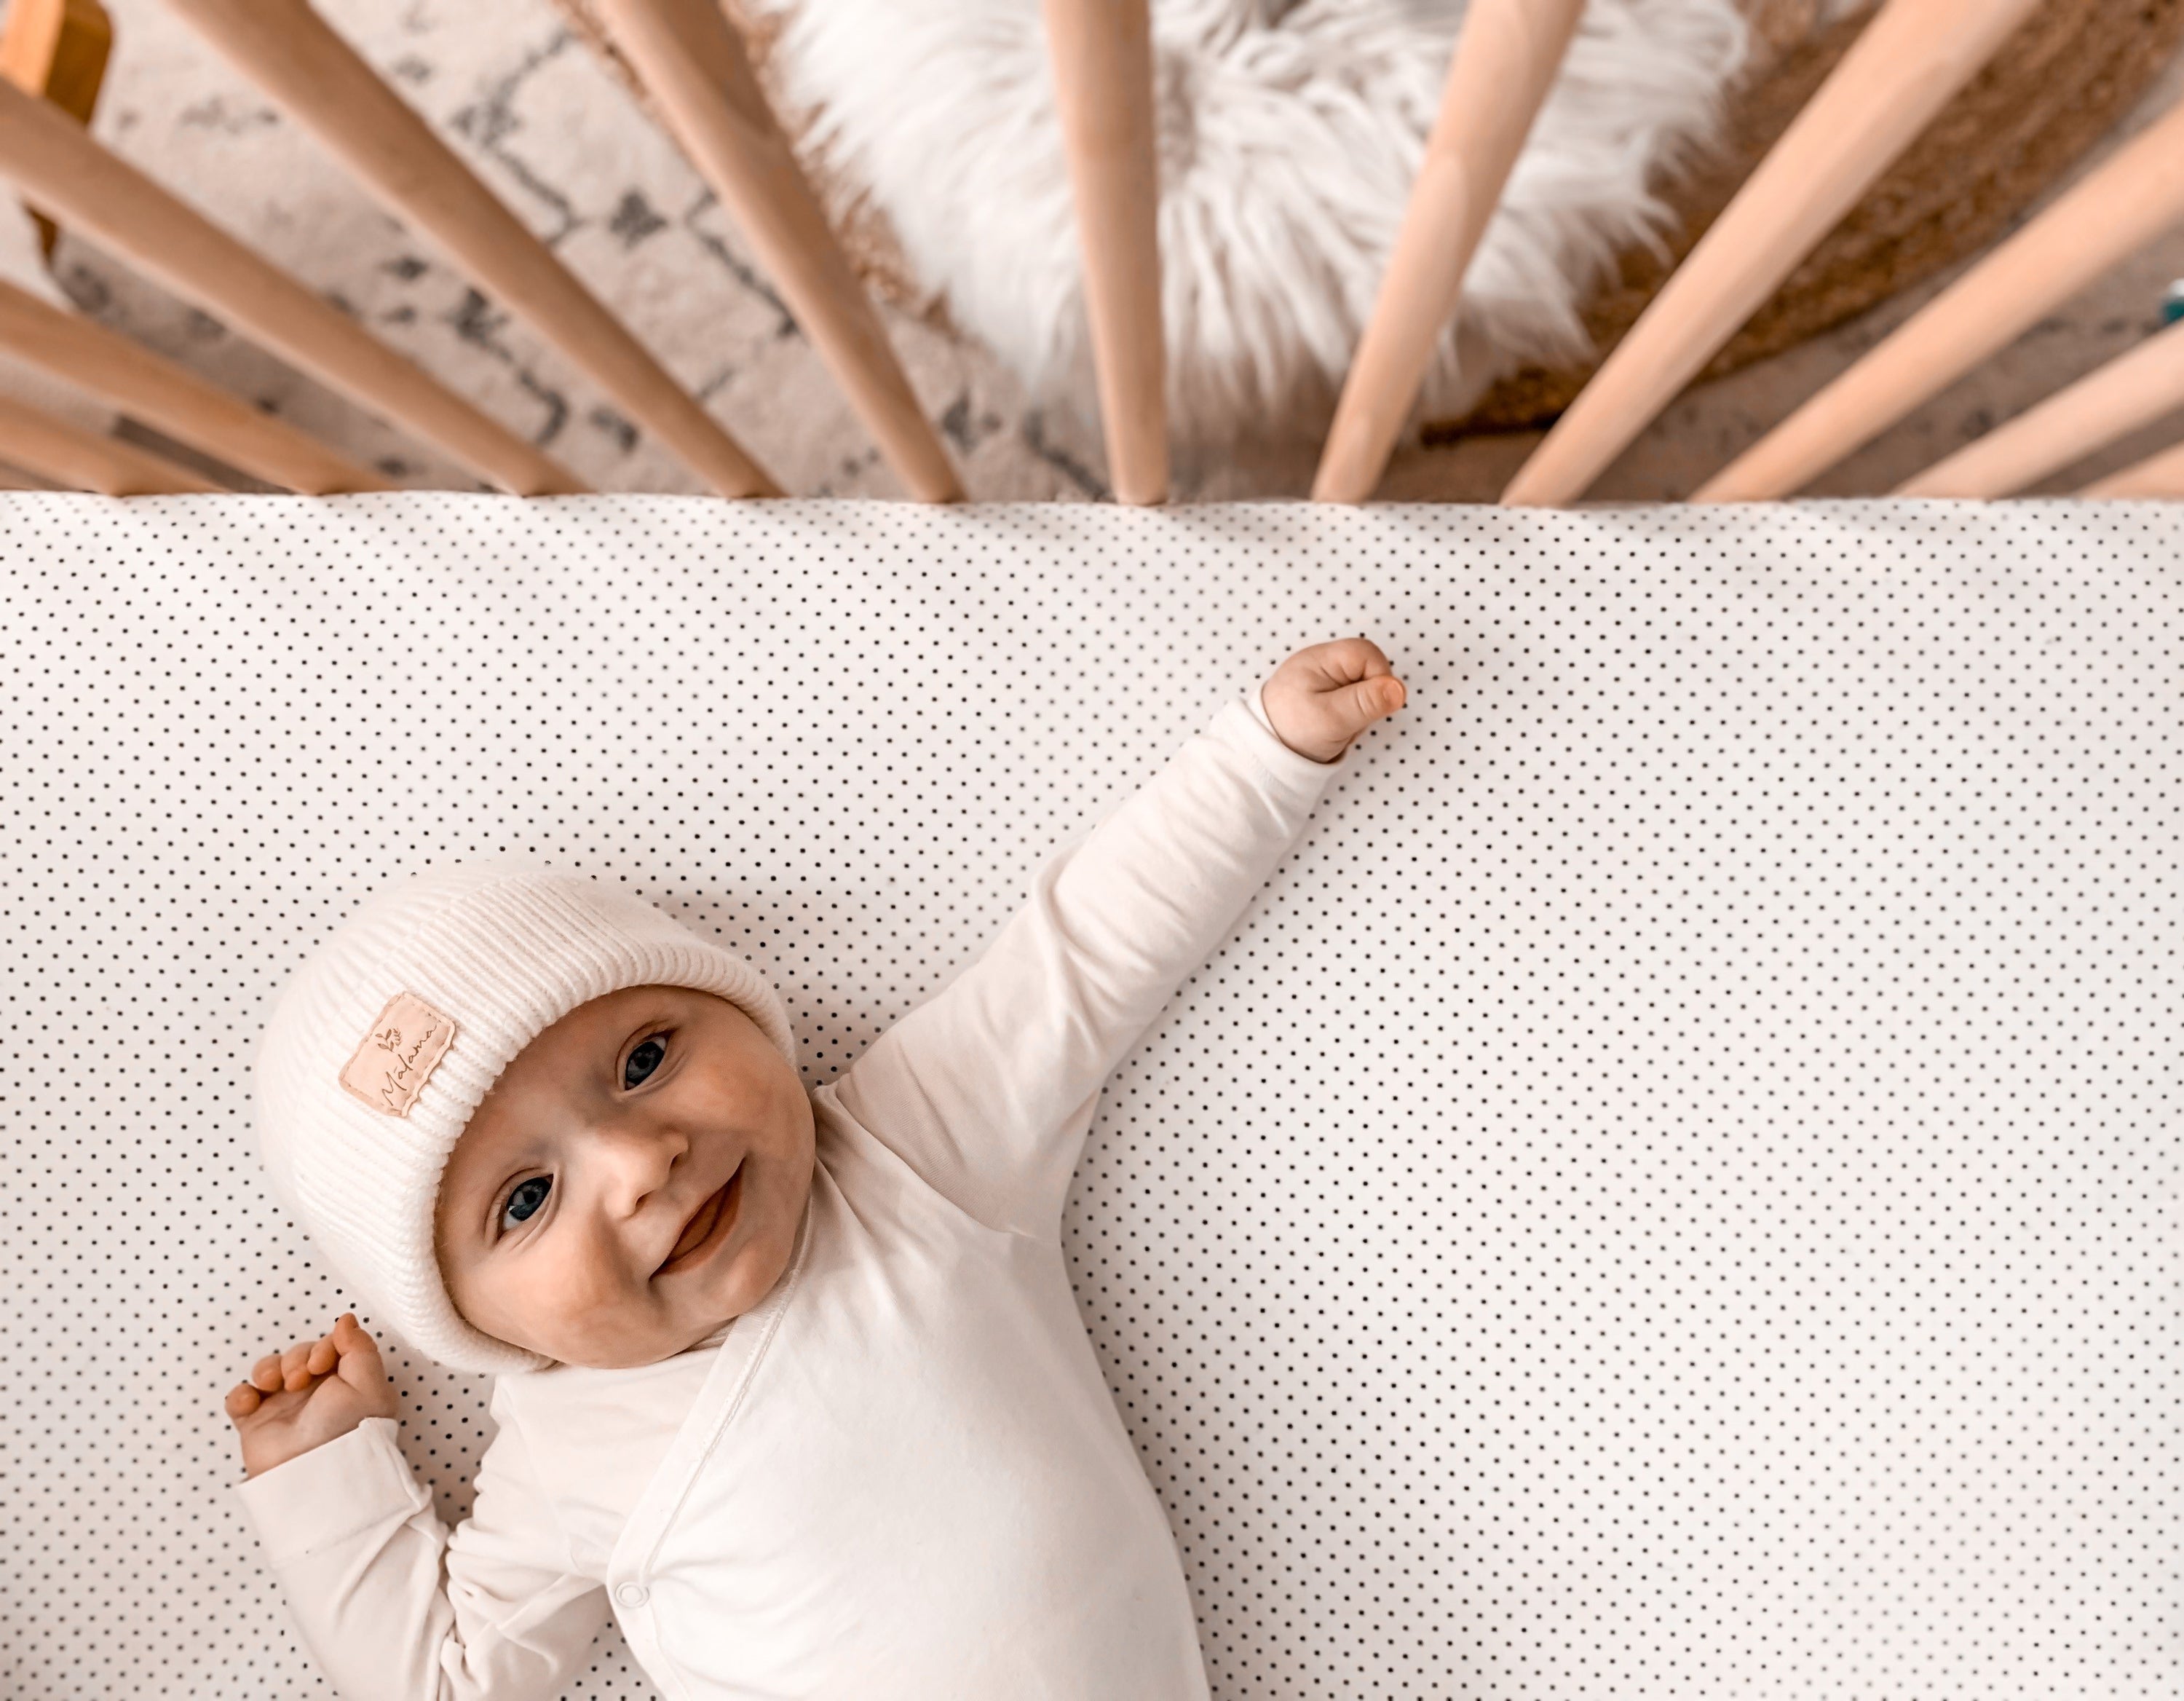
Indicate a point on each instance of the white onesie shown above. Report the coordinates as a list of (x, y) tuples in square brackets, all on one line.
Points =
[(902, 1473)]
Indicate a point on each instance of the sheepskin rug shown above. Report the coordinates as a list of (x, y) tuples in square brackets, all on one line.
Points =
[(1289, 132)]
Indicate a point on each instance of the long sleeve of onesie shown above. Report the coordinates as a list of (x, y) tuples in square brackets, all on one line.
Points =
[(391, 1606), (988, 1087)]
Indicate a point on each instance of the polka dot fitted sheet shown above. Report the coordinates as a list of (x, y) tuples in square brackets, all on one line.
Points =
[(1671, 1190)]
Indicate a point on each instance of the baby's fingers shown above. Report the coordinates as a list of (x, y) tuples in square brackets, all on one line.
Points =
[(359, 1352), (359, 1364), (265, 1374), (1370, 699), (1367, 657), (1342, 660), (295, 1367), (322, 1357), (242, 1400)]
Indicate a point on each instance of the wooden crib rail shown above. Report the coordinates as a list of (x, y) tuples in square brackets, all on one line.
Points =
[(1101, 52), (692, 63), (2134, 389), (59, 167), (1505, 62), (2130, 199), (65, 453), (2158, 475), (57, 49), (172, 398), (1896, 77), (287, 50), (687, 57)]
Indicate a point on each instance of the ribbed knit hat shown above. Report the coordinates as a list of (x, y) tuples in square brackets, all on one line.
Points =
[(382, 1044)]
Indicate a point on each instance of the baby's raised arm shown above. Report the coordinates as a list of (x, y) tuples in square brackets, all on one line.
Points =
[(988, 1088)]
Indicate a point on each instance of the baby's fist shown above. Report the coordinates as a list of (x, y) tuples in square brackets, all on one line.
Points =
[(315, 1392), (1322, 697)]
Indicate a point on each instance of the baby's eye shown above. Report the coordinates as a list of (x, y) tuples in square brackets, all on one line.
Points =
[(525, 1200), (643, 1061)]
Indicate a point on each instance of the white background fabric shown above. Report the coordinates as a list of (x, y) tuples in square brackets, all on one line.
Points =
[(1671, 1191)]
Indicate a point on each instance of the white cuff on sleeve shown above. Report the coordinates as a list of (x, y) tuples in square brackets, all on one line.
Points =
[(320, 1499)]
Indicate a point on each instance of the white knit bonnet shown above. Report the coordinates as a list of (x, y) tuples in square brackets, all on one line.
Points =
[(382, 1044)]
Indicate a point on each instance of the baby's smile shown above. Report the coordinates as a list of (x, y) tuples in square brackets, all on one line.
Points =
[(707, 1229)]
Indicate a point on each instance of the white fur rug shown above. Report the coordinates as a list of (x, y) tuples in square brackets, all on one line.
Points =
[(1290, 133)]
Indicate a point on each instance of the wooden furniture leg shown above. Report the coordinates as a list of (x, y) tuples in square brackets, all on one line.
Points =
[(2132, 390), (180, 403), (56, 163), (2132, 197), (57, 49), (2158, 475), (1900, 72), (54, 449), (1506, 60), (1101, 52), (692, 64), (286, 48)]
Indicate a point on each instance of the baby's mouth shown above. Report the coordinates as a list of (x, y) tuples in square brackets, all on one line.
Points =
[(708, 1226)]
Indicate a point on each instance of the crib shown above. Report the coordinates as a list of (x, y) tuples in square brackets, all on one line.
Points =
[(1906, 64), (1670, 1191)]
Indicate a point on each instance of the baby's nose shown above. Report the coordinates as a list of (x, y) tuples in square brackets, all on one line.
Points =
[(637, 1158)]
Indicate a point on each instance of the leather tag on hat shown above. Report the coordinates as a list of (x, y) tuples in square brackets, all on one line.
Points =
[(398, 1055)]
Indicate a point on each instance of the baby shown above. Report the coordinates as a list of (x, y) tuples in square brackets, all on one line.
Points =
[(792, 1383)]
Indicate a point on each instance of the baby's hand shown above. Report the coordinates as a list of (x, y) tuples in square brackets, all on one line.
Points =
[(1322, 698), (313, 1393)]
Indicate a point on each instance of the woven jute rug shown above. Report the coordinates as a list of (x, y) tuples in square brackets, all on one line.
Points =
[(2055, 87), (2052, 90)]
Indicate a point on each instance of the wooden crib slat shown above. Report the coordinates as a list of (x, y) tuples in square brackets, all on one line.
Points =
[(2159, 475), (1505, 62), (2110, 401), (57, 449), (57, 50), (1898, 75), (287, 50), (174, 398), (1101, 52), (692, 62), (56, 164), (2132, 197)]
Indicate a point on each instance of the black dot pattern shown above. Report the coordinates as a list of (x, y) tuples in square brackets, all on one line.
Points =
[(1670, 1192)]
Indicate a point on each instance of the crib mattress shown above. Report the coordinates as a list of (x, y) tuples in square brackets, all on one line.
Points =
[(1672, 1190)]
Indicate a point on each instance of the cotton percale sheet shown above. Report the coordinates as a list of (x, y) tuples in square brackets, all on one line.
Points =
[(1670, 1189)]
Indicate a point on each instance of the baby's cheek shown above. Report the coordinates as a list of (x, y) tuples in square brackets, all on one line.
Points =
[(576, 1303)]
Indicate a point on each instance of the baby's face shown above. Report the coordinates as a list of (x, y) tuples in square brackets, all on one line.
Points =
[(633, 1180)]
